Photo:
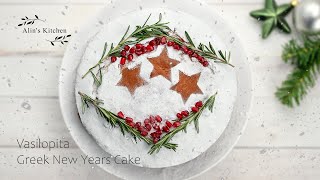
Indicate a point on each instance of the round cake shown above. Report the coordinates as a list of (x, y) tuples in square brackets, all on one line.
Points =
[(163, 96)]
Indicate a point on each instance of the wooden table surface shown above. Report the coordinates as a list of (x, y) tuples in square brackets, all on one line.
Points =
[(279, 142)]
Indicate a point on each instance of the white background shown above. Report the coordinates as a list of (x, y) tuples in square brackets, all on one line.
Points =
[(279, 142)]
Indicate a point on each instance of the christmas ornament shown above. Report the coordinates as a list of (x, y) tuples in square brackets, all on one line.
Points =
[(272, 16), (306, 17)]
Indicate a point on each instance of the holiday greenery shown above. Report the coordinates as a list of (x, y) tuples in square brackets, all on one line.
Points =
[(305, 57), (273, 16), (180, 124)]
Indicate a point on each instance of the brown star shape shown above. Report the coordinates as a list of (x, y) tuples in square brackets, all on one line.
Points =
[(187, 85), (162, 65), (131, 79)]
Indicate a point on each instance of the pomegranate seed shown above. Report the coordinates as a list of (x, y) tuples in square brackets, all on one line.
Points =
[(143, 49), (176, 124), (123, 61), (131, 124), (163, 40), (113, 59), (156, 127), (165, 129), (185, 49), (194, 109), (132, 50), (205, 63), (155, 140), (144, 133), (153, 135), (200, 58), (190, 52), (148, 127), (195, 55), (147, 121), (158, 41), (139, 52), (176, 46), (158, 118), (152, 43), (152, 120), (150, 48), (179, 116), (199, 104), (120, 115), (123, 53), (140, 129), (170, 43), (158, 134), (137, 125), (130, 57), (126, 48), (185, 113), (139, 46), (128, 120), (169, 124)]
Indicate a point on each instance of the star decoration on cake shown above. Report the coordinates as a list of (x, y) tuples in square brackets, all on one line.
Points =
[(131, 79), (162, 65), (187, 85)]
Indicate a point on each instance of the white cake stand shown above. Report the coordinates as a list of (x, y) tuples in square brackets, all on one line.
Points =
[(216, 152)]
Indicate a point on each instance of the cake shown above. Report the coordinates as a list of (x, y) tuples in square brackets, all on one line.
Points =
[(157, 96)]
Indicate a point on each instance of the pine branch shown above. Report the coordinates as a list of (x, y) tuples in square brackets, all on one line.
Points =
[(306, 59)]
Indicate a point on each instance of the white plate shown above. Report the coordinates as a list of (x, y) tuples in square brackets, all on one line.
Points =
[(208, 159)]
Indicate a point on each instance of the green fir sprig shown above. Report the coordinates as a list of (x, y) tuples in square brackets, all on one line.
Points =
[(306, 60), (114, 121)]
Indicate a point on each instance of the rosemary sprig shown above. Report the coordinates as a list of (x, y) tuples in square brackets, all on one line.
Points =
[(114, 121), (139, 34), (112, 118), (193, 117), (206, 51)]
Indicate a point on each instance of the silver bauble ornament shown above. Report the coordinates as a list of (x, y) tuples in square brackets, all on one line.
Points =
[(306, 16)]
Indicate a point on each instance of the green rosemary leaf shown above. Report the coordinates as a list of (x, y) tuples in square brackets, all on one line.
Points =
[(146, 20), (104, 50), (211, 48), (189, 39), (97, 82), (125, 34)]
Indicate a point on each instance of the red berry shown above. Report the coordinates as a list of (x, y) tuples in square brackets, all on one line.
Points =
[(113, 59), (143, 49), (165, 129), (123, 53), (144, 133), (148, 127), (128, 120), (158, 118), (185, 113), (155, 140), (194, 109), (137, 125), (120, 115), (199, 104), (176, 124), (176, 46), (156, 127), (152, 43), (205, 63), (139, 52), (190, 52), (169, 124), (139, 46), (123, 61), (130, 57), (163, 40), (132, 50), (131, 124), (150, 48), (179, 116), (147, 121), (170, 43), (126, 48)]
